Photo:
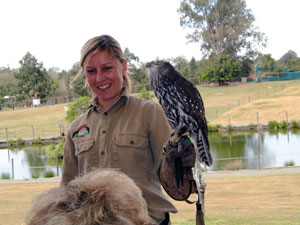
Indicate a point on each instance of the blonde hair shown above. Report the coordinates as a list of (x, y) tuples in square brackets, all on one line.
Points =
[(101, 43)]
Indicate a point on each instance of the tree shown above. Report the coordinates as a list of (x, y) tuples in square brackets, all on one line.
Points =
[(288, 56), (76, 85), (78, 107), (293, 64), (221, 70), (222, 27), (33, 79)]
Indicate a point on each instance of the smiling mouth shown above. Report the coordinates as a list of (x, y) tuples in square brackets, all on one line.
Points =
[(104, 87)]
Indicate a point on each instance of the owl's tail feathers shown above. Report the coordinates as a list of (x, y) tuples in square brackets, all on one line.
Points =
[(202, 148)]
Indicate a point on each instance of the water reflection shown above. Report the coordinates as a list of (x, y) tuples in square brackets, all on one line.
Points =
[(27, 162), (238, 150), (254, 150)]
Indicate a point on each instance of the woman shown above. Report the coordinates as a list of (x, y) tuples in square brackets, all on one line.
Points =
[(118, 130)]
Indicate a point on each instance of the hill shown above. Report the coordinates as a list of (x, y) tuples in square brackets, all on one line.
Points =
[(240, 104)]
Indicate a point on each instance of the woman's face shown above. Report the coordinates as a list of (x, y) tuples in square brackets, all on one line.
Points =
[(104, 74)]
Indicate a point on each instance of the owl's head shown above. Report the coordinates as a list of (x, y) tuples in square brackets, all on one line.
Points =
[(159, 69)]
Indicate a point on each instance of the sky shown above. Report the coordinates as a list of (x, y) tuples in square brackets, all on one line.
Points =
[(55, 30)]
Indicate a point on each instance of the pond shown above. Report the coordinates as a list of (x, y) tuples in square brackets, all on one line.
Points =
[(238, 150)]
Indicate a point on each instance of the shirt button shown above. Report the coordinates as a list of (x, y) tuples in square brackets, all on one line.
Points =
[(103, 132), (102, 153), (105, 113), (131, 142)]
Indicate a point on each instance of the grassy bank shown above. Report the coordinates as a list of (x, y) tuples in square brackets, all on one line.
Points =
[(240, 104), (272, 200)]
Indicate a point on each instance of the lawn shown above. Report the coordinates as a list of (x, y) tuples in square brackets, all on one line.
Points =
[(269, 200)]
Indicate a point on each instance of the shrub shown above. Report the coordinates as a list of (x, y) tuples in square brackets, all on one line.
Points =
[(289, 163), (295, 124), (78, 107), (55, 150), (252, 126), (10, 142), (35, 175), (20, 141), (48, 174), (37, 141), (145, 94), (283, 124), (273, 125), (5, 176), (229, 127)]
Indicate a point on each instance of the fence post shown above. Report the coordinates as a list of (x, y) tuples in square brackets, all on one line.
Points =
[(248, 98), (238, 102), (229, 118), (12, 169), (32, 132), (287, 117), (6, 136), (57, 170), (257, 117)]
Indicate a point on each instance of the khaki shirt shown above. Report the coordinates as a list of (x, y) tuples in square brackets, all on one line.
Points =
[(129, 136)]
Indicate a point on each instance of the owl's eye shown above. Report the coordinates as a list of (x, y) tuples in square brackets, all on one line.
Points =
[(158, 63)]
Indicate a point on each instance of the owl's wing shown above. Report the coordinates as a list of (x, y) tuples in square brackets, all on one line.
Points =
[(191, 101)]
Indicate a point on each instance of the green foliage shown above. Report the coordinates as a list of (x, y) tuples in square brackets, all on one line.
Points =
[(55, 150), (11, 142), (273, 125), (145, 94), (229, 127), (252, 126), (289, 163), (283, 125), (78, 107), (20, 141), (221, 70), (49, 174), (37, 141), (33, 79), (295, 124), (214, 128), (35, 175), (293, 64), (221, 27), (5, 176), (267, 64)]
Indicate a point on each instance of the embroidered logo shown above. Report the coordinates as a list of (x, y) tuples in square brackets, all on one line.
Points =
[(83, 131)]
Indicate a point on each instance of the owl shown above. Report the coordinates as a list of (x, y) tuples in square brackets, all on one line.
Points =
[(182, 105)]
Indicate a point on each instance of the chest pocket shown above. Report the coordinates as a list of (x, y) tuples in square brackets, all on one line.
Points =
[(83, 145), (131, 153)]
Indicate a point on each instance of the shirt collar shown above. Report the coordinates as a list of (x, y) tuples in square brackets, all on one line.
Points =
[(122, 99)]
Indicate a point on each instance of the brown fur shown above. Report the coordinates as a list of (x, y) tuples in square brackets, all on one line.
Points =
[(102, 197)]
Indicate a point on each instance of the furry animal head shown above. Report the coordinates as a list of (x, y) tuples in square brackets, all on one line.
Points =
[(102, 197)]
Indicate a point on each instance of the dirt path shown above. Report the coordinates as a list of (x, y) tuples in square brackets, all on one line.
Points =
[(209, 174)]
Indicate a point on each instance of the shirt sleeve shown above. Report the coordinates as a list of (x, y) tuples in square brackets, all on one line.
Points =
[(159, 134), (70, 163)]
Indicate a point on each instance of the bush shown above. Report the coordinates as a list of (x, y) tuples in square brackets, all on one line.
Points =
[(20, 141), (10, 142), (37, 141), (289, 163), (229, 127), (5, 176), (213, 128), (252, 126), (145, 94), (78, 107), (273, 125), (295, 124), (48, 174), (55, 150), (283, 125), (35, 175)]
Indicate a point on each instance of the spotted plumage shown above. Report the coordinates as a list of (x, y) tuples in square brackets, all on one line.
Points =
[(182, 105)]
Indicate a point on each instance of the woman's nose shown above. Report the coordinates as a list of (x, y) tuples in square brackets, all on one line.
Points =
[(99, 76)]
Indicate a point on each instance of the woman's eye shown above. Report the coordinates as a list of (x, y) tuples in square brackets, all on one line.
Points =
[(107, 68), (90, 71)]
